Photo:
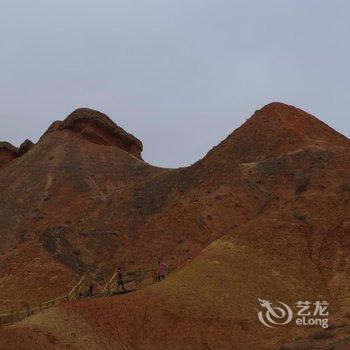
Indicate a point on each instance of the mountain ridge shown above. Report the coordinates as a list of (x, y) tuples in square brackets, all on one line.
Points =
[(275, 192)]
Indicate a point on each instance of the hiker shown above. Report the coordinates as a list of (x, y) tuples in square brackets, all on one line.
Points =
[(90, 290), (161, 270), (87, 293), (120, 281)]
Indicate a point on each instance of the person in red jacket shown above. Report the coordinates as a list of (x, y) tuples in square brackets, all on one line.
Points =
[(161, 270)]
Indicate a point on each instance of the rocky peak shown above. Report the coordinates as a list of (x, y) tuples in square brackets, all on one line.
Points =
[(8, 152), (25, 147), (273, 130), (100, 129)]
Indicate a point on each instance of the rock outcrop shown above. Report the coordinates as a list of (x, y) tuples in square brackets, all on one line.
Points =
[(100, 129), (25, 147), (8, 153)]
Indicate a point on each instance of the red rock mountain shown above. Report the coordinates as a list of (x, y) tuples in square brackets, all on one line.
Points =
[(269, 206), (9, 152)]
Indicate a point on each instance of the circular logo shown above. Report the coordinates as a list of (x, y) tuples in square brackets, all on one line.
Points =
[(274, 315)]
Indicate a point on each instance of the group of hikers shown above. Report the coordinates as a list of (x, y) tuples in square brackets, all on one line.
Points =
[(161, 270)]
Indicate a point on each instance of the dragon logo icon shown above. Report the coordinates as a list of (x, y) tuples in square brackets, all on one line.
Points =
[(274, 315)]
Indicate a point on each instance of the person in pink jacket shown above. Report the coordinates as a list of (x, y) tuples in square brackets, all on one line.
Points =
[(161, 270)]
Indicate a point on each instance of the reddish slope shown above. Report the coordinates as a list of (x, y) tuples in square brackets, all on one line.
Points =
[(47, 239), (209, 303), (283, 164)]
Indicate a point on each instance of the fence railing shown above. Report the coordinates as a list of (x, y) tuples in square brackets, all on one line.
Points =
[(15, 315), (76, 290), (133, 279)]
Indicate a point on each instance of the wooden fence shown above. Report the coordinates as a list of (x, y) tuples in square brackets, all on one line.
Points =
[(16, 315), (133, 280)]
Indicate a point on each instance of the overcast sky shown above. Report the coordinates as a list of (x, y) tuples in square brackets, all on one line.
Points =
[(178, 74)]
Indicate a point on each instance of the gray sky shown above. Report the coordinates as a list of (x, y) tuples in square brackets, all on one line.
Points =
[(180, 75)]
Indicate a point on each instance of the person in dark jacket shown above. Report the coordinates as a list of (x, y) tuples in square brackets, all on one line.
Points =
[(120, 280)]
